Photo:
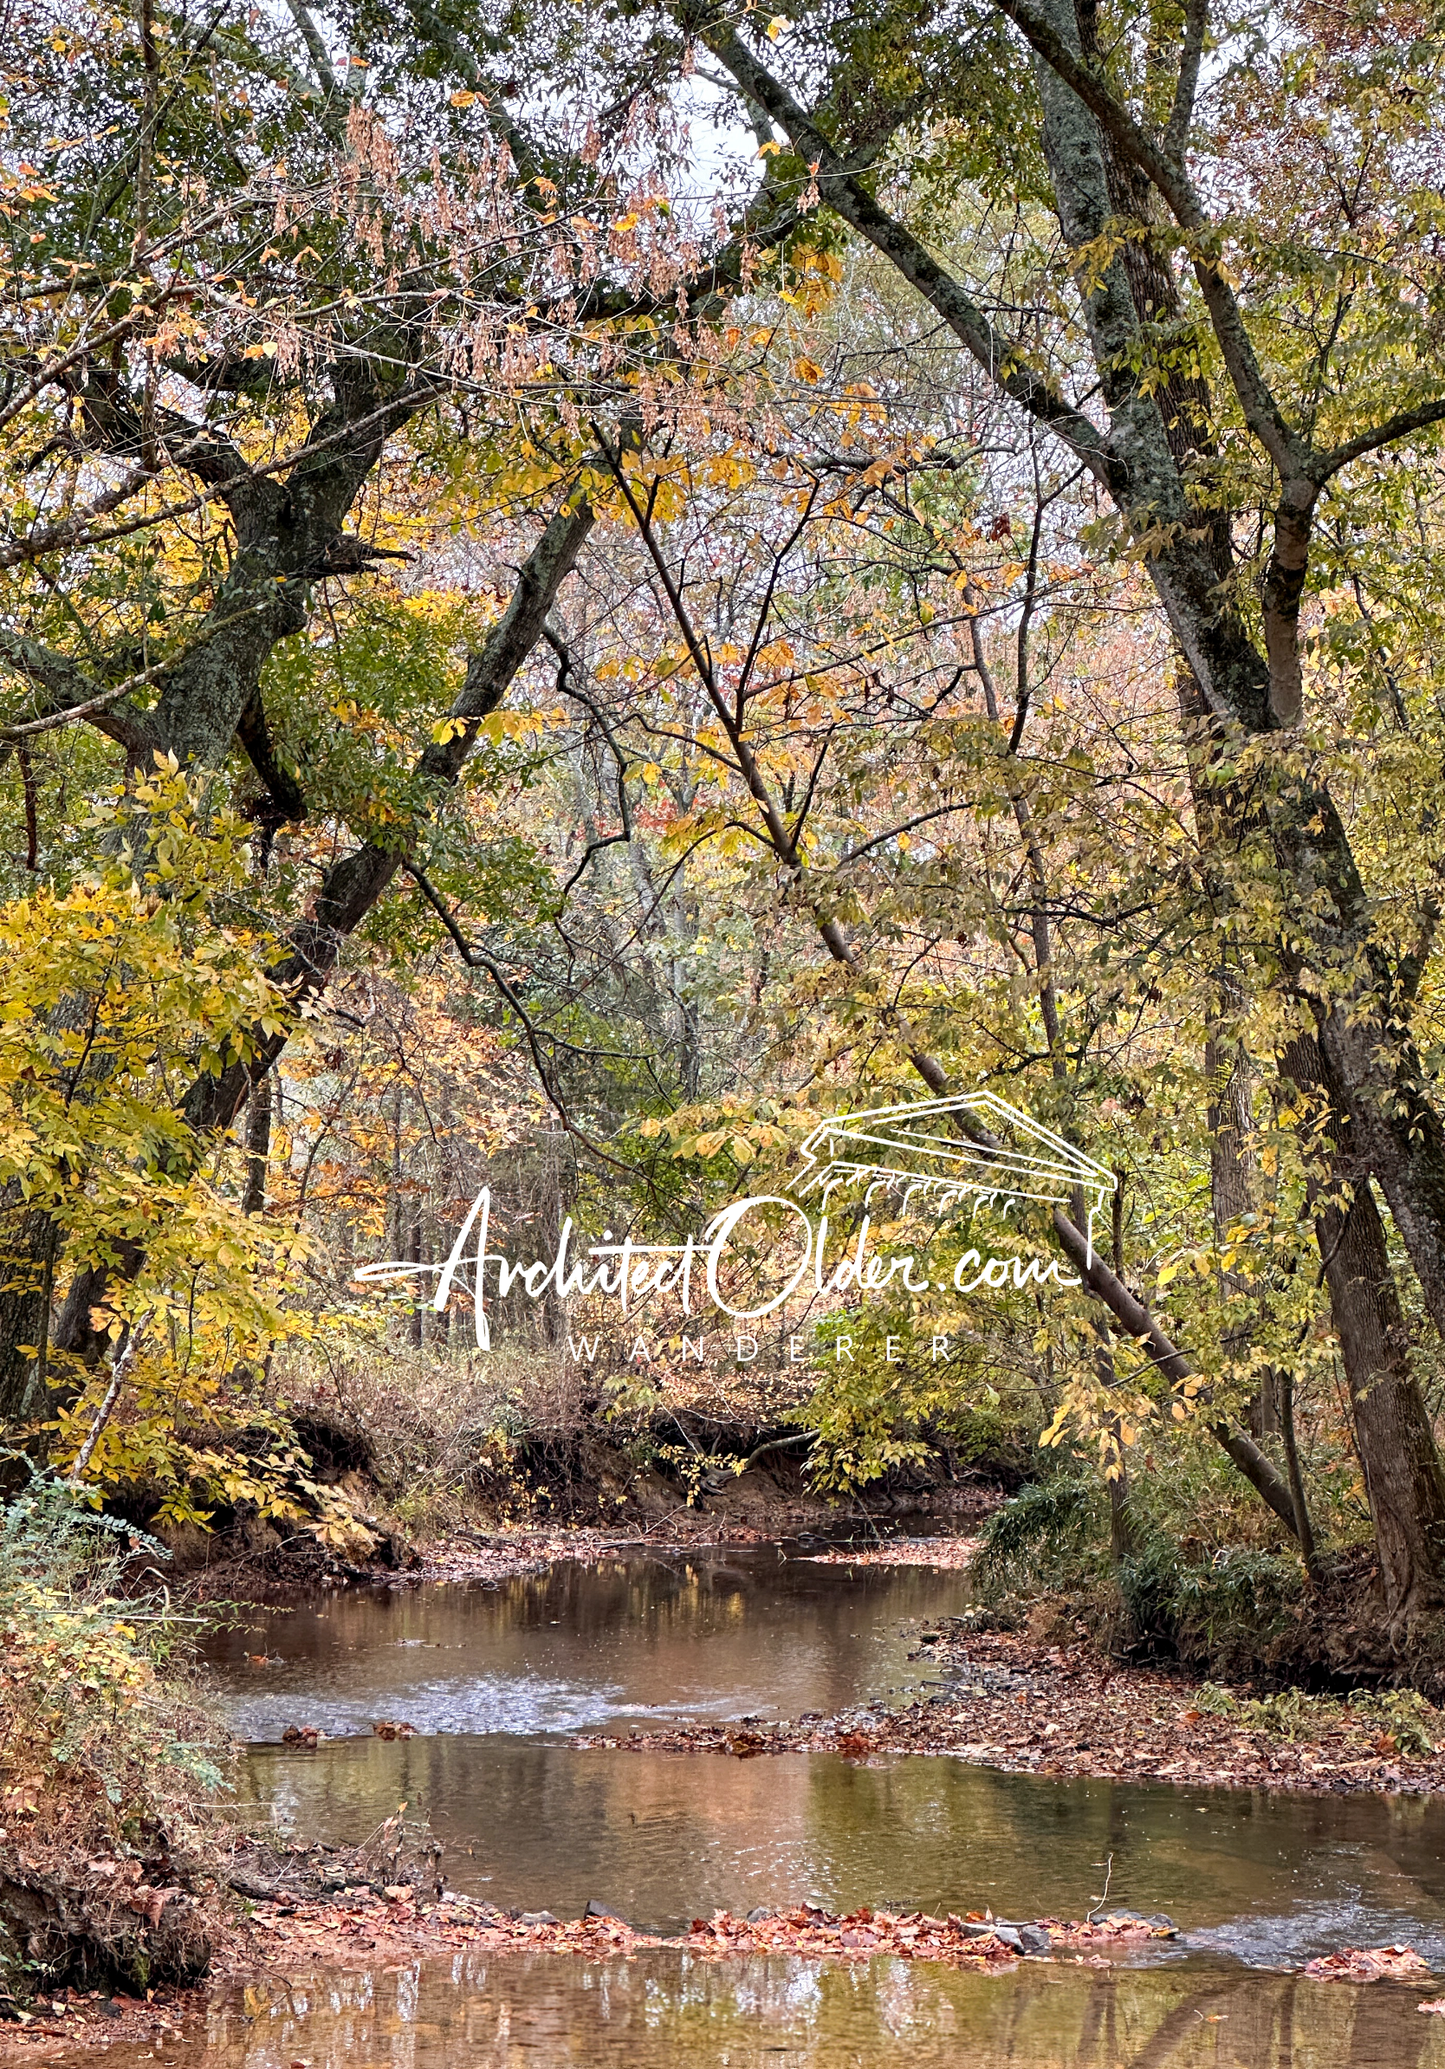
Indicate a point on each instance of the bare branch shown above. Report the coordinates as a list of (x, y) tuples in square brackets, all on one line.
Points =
[(1262, 413), (535, 1036), (841, 187), (564, 689), (75, 695)]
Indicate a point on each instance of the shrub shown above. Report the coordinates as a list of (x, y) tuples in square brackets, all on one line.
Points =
[(108, 1768)]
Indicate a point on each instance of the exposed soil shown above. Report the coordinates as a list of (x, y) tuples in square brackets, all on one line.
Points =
[(571, 1497), (93, 2019), (1008, 1701), (471, 1555), (1001, 1699), (264, 1567)]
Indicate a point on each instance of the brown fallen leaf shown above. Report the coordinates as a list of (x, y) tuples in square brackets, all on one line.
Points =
[(151, 1902), (23, 1801), (1368, 1965), (746, 1745)]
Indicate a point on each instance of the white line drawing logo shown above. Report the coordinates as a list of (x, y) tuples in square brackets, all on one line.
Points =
[(903, 1150), (900, 1150)]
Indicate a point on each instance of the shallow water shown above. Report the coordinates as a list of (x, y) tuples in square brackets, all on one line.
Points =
[(496, 1680), (667, 2011), (626, 1641)]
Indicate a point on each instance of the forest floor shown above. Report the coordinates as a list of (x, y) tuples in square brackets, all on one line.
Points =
[(1005, 1700)]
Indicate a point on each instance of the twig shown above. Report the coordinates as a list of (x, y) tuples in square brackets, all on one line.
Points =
[(120, 1366), (1108, 1878), (534, 1036)]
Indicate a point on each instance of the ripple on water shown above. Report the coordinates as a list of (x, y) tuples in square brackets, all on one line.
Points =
[(495, 1679)]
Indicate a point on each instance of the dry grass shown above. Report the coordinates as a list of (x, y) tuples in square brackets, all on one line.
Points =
[(441, 1429)]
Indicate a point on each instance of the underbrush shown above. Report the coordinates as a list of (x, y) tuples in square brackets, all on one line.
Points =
[(439, 1437), (1401, 1719), (110, 1772), (1206, 1577), (524, 1434)]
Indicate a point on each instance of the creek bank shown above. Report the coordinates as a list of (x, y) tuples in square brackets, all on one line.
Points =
[(828, 1534), (1005, 1701), (482, 1557), (309, 1915)]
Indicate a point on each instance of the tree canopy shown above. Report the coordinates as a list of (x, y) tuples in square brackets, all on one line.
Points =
[(585, 587)]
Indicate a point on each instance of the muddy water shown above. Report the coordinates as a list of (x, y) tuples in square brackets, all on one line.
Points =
[(627, 1641), (496, 1682)]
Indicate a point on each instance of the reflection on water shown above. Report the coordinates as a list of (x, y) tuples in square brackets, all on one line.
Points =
[(496, 1678), (665, 2011), (660, 1837), (625, 1641)]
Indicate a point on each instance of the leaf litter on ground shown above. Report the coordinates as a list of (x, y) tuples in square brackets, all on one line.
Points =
[(1002, 1699)]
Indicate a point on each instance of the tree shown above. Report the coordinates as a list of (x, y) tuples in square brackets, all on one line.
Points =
[(1211, 422), (252, 280)]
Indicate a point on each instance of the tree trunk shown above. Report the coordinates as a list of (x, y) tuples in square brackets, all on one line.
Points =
[(258, 1142), (1392, 1429), (1396, 1444), (348, 891), (26, 1261), (418, 1310), (1336, 963)]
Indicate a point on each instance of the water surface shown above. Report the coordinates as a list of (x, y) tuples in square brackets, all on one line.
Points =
[(642, 1640), (660, 2011), (498, 1679)]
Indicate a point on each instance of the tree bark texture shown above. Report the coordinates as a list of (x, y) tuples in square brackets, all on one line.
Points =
[(1103, 169), (1393, 1436), (347, 893)]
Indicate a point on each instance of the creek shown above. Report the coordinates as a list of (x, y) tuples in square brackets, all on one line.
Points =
[(498, 1680)]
